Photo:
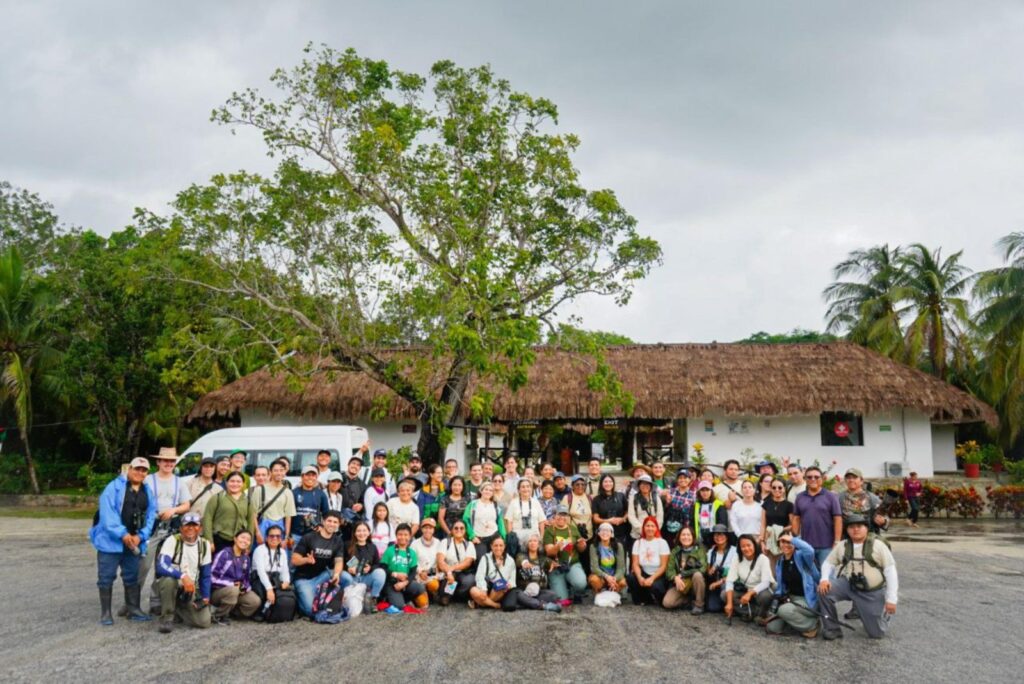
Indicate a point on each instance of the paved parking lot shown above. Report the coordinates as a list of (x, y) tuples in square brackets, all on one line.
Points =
[(960, 619)]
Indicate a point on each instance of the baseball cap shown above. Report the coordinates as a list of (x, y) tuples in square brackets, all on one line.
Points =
[(310, 469), (139, 462), (223, 457), (191, 519), (719, 529), (645, 478), (356, 458), (334, 476), (856, 520), (207, 460), (854, 472), (238, 451), (380, 453), (559, 473), (704, 484), (415, 457), (577, 478), (378, 472), (428, 521), (562, 510)]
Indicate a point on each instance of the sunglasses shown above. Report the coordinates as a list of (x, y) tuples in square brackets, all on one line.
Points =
[(813, 477), (273, 536), (778, 488)]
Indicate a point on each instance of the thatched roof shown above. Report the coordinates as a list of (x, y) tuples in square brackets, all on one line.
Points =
[(667, 380)]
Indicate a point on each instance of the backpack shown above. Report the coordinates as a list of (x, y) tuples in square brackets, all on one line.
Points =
[(868, 550), (178, 549), (328, 607)]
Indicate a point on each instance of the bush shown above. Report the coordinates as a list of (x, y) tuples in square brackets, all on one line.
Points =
[(964, 500), (13, 474), (94, 482), (933, 499), (397, 461), (1008, 499)]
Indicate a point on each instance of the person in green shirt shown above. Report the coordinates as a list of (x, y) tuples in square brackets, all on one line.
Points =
[(562, 542), (228, 513), (399, 563), (687, 564)]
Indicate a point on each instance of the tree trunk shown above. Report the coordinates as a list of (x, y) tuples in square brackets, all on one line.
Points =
[(30, 464), (429, 445)]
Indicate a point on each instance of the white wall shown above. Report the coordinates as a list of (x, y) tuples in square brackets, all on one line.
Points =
[(944, 448), (909, 441), (383, 434)]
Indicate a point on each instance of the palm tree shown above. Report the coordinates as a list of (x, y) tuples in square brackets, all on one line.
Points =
[(1001, 321), (868, 308), (934, 288), (24, 343)]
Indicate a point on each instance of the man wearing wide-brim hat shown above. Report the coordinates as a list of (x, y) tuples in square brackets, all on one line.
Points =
[(172, 501)]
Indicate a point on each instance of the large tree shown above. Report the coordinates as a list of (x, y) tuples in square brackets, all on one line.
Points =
[(440, 211), (866, 306)]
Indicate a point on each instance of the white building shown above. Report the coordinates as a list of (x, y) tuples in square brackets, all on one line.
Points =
[(808, 402)]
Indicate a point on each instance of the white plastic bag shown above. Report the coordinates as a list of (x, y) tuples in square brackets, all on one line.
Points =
[(608, 599), (353, 598)]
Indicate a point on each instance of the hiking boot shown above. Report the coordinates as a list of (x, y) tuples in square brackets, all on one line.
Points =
[(166, 625), (369, 605), (852, 614), (222, 620), (831, 636), (106, 619), (696, 610), (811, 633), (131, 600), (552, 607)]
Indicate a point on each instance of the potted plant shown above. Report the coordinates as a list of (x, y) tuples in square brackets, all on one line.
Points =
[(993, 457), (972, 456)]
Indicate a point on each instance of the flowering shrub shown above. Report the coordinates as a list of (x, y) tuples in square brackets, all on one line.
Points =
[(964, 500), (933, 499), (893, 504), (1008, 499)]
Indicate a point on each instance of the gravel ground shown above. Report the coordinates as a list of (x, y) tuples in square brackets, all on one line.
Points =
[(959, 609)]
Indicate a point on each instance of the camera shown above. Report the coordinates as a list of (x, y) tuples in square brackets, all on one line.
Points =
[(858, 581)]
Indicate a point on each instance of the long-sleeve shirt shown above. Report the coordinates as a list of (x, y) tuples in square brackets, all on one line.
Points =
[(912, 489), (639, 508), (265, 562), (229, 569), (191, 560), (225, 516), (882, 557), (677, 562), (489, 570), (756, 575)]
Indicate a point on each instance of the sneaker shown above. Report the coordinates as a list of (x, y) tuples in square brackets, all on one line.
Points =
[(696, 610), (166, 625), (383, 605), (412, 610), (553, 607), (369, 605), (223, 621), (392, 610), (830, 636), (565, 603), (852, 614)]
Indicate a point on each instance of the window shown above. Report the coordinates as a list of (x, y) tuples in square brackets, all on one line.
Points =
[(839, 428)]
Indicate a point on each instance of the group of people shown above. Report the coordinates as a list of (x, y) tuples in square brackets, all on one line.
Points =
[(776, 549)]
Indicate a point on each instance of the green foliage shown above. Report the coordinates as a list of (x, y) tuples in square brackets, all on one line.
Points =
[(27, 223), (398, 460), (13, 474), (794, 336), (570, 336), (94, 482)]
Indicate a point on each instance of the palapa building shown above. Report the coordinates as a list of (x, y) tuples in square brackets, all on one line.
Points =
[(810, 402)]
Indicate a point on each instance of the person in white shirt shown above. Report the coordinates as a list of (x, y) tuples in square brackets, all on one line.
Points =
[(863, 570), (523, 516), (796, 481), (427, 547), (183, 569), (746, 514), (404, 509), (649, 555), (749, 582), (455, 560), (728, 490), (172, 501)]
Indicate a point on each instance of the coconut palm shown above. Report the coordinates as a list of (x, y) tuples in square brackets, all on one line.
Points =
[(1001, 323), (934, 289), (868, 309), (25, 352)]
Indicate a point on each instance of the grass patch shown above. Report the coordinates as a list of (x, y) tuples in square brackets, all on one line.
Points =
[(69, 491), (44, 512)]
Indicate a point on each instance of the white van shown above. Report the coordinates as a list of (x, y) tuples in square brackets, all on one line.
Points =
[(267, 444)]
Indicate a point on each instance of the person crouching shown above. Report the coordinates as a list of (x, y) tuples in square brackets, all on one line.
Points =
[(183, 576)]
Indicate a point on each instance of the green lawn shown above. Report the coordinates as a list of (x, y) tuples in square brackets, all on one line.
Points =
[(43, 512)]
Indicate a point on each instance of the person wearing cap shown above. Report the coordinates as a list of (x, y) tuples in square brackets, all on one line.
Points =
[(335, 499), (817, 516), (644, 503), (310, 503), (323, 467), (238, 460), (580, 512), (563, 543), (862, 570), (202, 487), (222, 469), (608, 566), (523, 517), (427, 548), (534, 566), (638, 471), (352, 492), (403, 508), (229, 578), (414, 469), (229, 513), (679, 501), (483, 520), (318, 557), (376, 493), (379, 462), (708, 513), (172, 501), (857, 501), (183, 576), (721, 557), (687, 564), (648, 562), (561, 488), (796, 589), (274, 505), (120, 532)]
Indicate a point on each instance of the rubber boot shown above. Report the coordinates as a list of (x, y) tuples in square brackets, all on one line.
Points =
[(131, 600), (106, 594)]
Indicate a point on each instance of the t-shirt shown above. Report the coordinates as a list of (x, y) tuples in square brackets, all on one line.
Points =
[(795, 491), (705, 515), (398, 560), (169, 493), (555, 535), (722, 490), (484, 519), (792, 578), (426, 555), (777, 512), (649, 553), (197, 487), (190, 561), (861, 503), (606, 558), (455, 553), (816, 517), (325, 551), (280, 508), (383, 533), (408, 513), (745, 518), (310, 508)]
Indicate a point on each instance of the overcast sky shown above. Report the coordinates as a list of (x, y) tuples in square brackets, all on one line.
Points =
[(759, 142)]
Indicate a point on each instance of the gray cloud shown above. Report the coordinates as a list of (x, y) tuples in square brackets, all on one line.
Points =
[(759, 142)]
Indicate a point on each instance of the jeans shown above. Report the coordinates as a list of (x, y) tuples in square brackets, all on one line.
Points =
[(374, 581), (820, 555), (915, 509), (561, 581), (305, 590), (108, 563)]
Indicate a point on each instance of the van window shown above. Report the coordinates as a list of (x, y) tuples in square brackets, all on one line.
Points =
[(298, 458)]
